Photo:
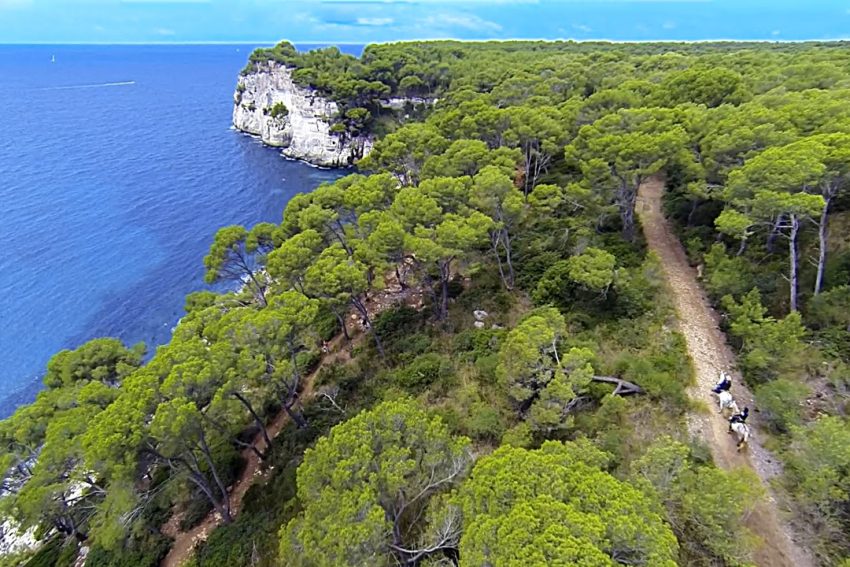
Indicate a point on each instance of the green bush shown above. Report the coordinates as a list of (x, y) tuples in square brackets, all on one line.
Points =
[(148, 554), (326, 324), (423, 371), (818, 474), (769, 346), (407, 348), (485, 423), (393, 325), (518, 436), (727, 275), (780, 402), (278, 110), (830, 309), (307, 361), (58, 552)]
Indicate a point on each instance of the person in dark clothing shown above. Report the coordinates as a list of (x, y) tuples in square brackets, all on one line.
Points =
[(740, 417), (724, 384)]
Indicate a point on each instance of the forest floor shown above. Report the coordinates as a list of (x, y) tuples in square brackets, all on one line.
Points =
[(709, 352), (185, 542)]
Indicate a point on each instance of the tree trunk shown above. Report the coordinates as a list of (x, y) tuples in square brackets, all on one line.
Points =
[(792, 249), (257, 420), (506, 244), (527, 171), (368, 323), (222, 506), (495, 237), (341, 321), (296, 416), (823, 233), (225, 496), (401, 283), (445, 273), (626, 204), (259, 290), (742, 247), (774, 233), (690, 221)]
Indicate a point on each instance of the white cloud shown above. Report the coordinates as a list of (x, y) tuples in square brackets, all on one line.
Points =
[(775, 33), (582, 28), (165, 1), (460, 2), (165, 32), (669, 25), (464, 21), (4, 4), (375, 21)]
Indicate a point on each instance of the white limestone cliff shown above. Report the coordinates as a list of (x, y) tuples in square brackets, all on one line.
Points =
[(304, 132)]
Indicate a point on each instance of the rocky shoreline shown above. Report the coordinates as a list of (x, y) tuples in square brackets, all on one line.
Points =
[(267, 103)]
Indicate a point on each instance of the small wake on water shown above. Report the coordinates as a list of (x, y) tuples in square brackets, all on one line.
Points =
[(94, 86)]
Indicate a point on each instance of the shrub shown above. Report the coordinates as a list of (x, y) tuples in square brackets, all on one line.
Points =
[(307, 361), (58, 552), (705, 505), (425, 370), (485, 423), (326, 324), (830, 309), (780, 402), (727, 275), (555, 287), (199, 300), (769, 345), (518, 436), (394, 324), (818, 473), (149, 553), (278, 110)]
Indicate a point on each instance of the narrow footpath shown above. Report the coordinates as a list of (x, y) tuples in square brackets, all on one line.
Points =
[(710, 353), (185, 542)]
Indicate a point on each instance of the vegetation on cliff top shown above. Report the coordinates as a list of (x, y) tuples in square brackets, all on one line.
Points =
[(438, 434)]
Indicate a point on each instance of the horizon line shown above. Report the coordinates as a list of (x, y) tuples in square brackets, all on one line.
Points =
[(433, 39)]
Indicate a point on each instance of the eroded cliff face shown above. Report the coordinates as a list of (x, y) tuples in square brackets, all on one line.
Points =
[(304, 131)]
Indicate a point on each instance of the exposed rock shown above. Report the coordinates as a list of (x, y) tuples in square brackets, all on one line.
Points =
[(480, 315), (400, 103), (479, 324), (304, 131), (12, 541)]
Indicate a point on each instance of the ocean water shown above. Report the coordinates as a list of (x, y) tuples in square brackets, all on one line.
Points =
[(117, 166)]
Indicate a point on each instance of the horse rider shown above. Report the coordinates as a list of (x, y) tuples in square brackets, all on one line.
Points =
[(724, 384), (739, 417)]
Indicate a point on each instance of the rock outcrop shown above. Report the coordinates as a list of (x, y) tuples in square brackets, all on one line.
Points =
[(301, 126)]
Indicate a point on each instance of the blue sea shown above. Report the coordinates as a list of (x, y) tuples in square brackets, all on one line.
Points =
[(117, 166)]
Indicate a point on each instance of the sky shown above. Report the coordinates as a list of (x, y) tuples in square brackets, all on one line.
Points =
[(365, 21)]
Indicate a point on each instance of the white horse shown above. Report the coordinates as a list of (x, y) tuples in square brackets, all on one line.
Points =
[(725, 400), (742, 430)]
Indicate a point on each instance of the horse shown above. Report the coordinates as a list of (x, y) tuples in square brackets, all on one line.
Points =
[(725, 400), (742, 430)]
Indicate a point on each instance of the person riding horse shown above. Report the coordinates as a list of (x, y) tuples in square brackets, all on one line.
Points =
[(739, 417), (738, 426), (724, 384)]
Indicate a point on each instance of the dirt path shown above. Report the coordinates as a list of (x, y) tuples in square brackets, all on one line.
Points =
[(708, 349), (185, 542)]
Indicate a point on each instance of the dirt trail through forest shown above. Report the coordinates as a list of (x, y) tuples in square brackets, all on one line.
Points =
[(185, 542), (707, 347)]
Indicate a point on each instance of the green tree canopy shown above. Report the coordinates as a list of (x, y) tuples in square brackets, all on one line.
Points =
[(366, 487), (555, 505)]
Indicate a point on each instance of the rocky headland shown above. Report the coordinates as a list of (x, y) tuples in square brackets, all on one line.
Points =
[(269, 104)]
